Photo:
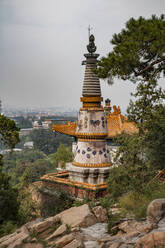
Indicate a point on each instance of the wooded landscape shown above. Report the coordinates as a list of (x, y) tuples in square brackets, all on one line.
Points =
[(138, 55)]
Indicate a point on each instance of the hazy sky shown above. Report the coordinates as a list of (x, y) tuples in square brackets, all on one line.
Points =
[(42, 43)]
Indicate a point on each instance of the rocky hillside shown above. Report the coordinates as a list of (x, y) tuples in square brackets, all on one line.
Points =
[(80, 227)]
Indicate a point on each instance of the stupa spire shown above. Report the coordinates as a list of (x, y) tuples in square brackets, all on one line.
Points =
[(91, 91)]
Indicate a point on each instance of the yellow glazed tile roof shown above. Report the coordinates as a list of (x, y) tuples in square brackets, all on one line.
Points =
[(116, 124), (69, 128)]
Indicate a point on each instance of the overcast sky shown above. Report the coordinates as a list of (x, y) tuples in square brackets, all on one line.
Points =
[(42, 43)]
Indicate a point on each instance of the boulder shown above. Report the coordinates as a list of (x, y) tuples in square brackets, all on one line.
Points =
[(60, 231), (44, 225), (33, 245), (78, 216), (66, 239), (115, 245), (133, 225), (152, 240), (74, 244), (126, 226), (13, 240), (45, 228), (156, 210), (100, 213)]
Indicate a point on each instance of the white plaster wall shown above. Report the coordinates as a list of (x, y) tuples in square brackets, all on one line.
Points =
[(74, 145), (92, 152), (91, 121), (87, 175)]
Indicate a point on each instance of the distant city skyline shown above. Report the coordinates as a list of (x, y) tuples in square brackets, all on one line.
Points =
[(42, 45)]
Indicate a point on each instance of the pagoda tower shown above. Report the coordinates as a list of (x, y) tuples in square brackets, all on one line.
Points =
[(92, 161)]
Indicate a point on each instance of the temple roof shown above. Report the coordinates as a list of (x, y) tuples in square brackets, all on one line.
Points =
[(69, 128), (116, 124)]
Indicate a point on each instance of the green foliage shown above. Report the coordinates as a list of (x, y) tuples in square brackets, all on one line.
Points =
[(154, 139), (140, 154), (136, 203), (16, 163), (113, 219), (68, 229), (8, 132), (8, 198), (138, 51), (28, 209), (148, 112), (8, 195), (63, 155), (149, 98), (106, 202), (7, 227), (25, 156), (55, 201), (78, 203), (23, 139), (138, 55), (35, 170), (46, 141), (133, 172)]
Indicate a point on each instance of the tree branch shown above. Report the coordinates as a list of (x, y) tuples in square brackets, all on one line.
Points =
[(150, 65)]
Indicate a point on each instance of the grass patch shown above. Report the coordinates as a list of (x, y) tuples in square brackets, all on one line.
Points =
[(136, 203)]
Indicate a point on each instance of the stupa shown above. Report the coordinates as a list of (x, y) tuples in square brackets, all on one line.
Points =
[(91, 162), (92, 157)]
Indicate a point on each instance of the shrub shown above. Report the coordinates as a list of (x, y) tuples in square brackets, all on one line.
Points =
[(54, 202), (106, 202), (113, 219), (7, 228), (136, 203)]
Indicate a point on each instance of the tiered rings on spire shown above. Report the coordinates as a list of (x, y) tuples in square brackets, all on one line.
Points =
[(91, 91), (91, 85)]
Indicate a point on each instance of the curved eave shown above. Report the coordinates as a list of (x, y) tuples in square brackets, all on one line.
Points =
[(68, 129)]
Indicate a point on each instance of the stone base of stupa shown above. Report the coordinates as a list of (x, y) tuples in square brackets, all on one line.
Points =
[(80, 190), (87, 175)]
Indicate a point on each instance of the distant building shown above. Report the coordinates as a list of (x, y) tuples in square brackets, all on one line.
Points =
[(28, 144), (46, 124), (37, 125), (42, 124), (25, 131), (9, 150)]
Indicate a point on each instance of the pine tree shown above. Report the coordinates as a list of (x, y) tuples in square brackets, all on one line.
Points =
[(8, 195), (138, 51)]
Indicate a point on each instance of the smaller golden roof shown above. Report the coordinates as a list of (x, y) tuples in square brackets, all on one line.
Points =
[(118, 123)]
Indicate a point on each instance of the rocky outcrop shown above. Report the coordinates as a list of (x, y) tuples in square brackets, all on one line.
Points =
[(80, 227), (78, 216), (151, 240), (62, 230)]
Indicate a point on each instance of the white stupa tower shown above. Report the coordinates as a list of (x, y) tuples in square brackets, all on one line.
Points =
[(92, 161)]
